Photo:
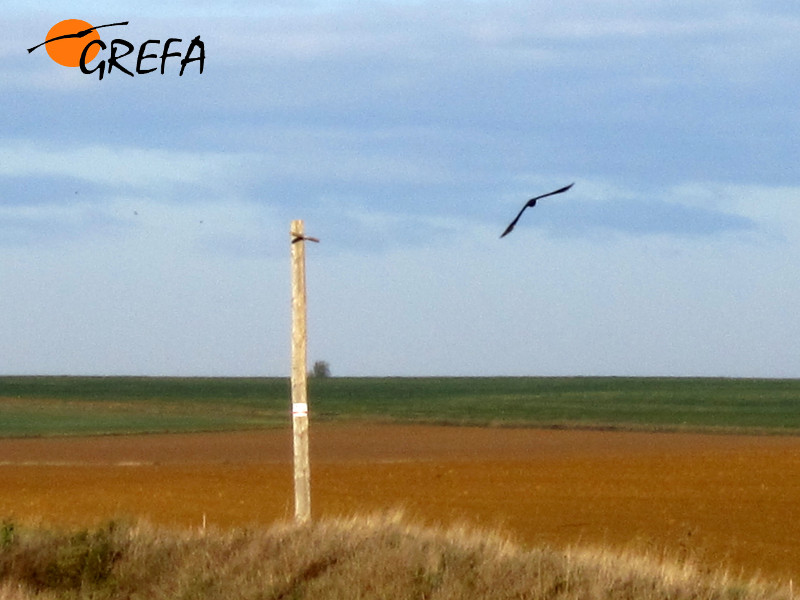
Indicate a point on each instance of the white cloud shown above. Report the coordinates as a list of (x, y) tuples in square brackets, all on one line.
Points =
[(141, 168), (776, 208)]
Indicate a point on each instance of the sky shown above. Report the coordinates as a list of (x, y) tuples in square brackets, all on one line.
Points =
[(144, 221)]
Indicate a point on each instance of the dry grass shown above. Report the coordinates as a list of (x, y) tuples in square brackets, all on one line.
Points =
[(366, 557)]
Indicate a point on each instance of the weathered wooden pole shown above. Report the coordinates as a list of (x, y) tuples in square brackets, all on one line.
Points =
[(302, 469)]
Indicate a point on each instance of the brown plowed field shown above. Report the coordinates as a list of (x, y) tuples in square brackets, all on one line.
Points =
[(723, 500)]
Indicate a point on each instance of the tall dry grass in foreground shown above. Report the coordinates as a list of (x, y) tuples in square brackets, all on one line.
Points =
[(378, 557)]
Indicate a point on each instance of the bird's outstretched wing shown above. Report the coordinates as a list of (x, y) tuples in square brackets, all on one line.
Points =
[(514, 222), (532, 202)]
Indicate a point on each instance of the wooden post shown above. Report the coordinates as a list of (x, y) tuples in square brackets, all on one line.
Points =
[(302, 470)]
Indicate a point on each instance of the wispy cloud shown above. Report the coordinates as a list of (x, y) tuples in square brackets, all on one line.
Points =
[(646, 217), (116, 164), (38, 226)]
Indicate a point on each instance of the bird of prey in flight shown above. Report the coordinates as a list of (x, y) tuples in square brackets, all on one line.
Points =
[(532, 202)]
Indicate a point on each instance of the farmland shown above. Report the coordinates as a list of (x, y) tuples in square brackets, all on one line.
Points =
[(99, 405), (700, 470)]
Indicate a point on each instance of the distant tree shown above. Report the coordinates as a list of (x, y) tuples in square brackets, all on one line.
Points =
[(321, 369)]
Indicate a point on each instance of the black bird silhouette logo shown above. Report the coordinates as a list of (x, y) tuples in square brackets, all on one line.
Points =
[(532, 202), (77, 34)]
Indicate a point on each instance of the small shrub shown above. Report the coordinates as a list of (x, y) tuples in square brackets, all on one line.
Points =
[(87, 558), (7, 535), (48, 561)]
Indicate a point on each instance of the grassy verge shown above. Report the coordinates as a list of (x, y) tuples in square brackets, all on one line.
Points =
[(380, 557), (91, 405)]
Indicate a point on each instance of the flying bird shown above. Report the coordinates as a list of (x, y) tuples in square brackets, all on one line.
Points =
[(532, 202)]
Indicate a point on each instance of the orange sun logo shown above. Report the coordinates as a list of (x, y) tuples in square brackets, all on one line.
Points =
[(67, 51)]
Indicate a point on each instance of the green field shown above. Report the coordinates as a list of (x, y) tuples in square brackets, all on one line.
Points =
[(99, 405)]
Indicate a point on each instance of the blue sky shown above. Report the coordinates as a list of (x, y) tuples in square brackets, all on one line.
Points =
[(144, 220)]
